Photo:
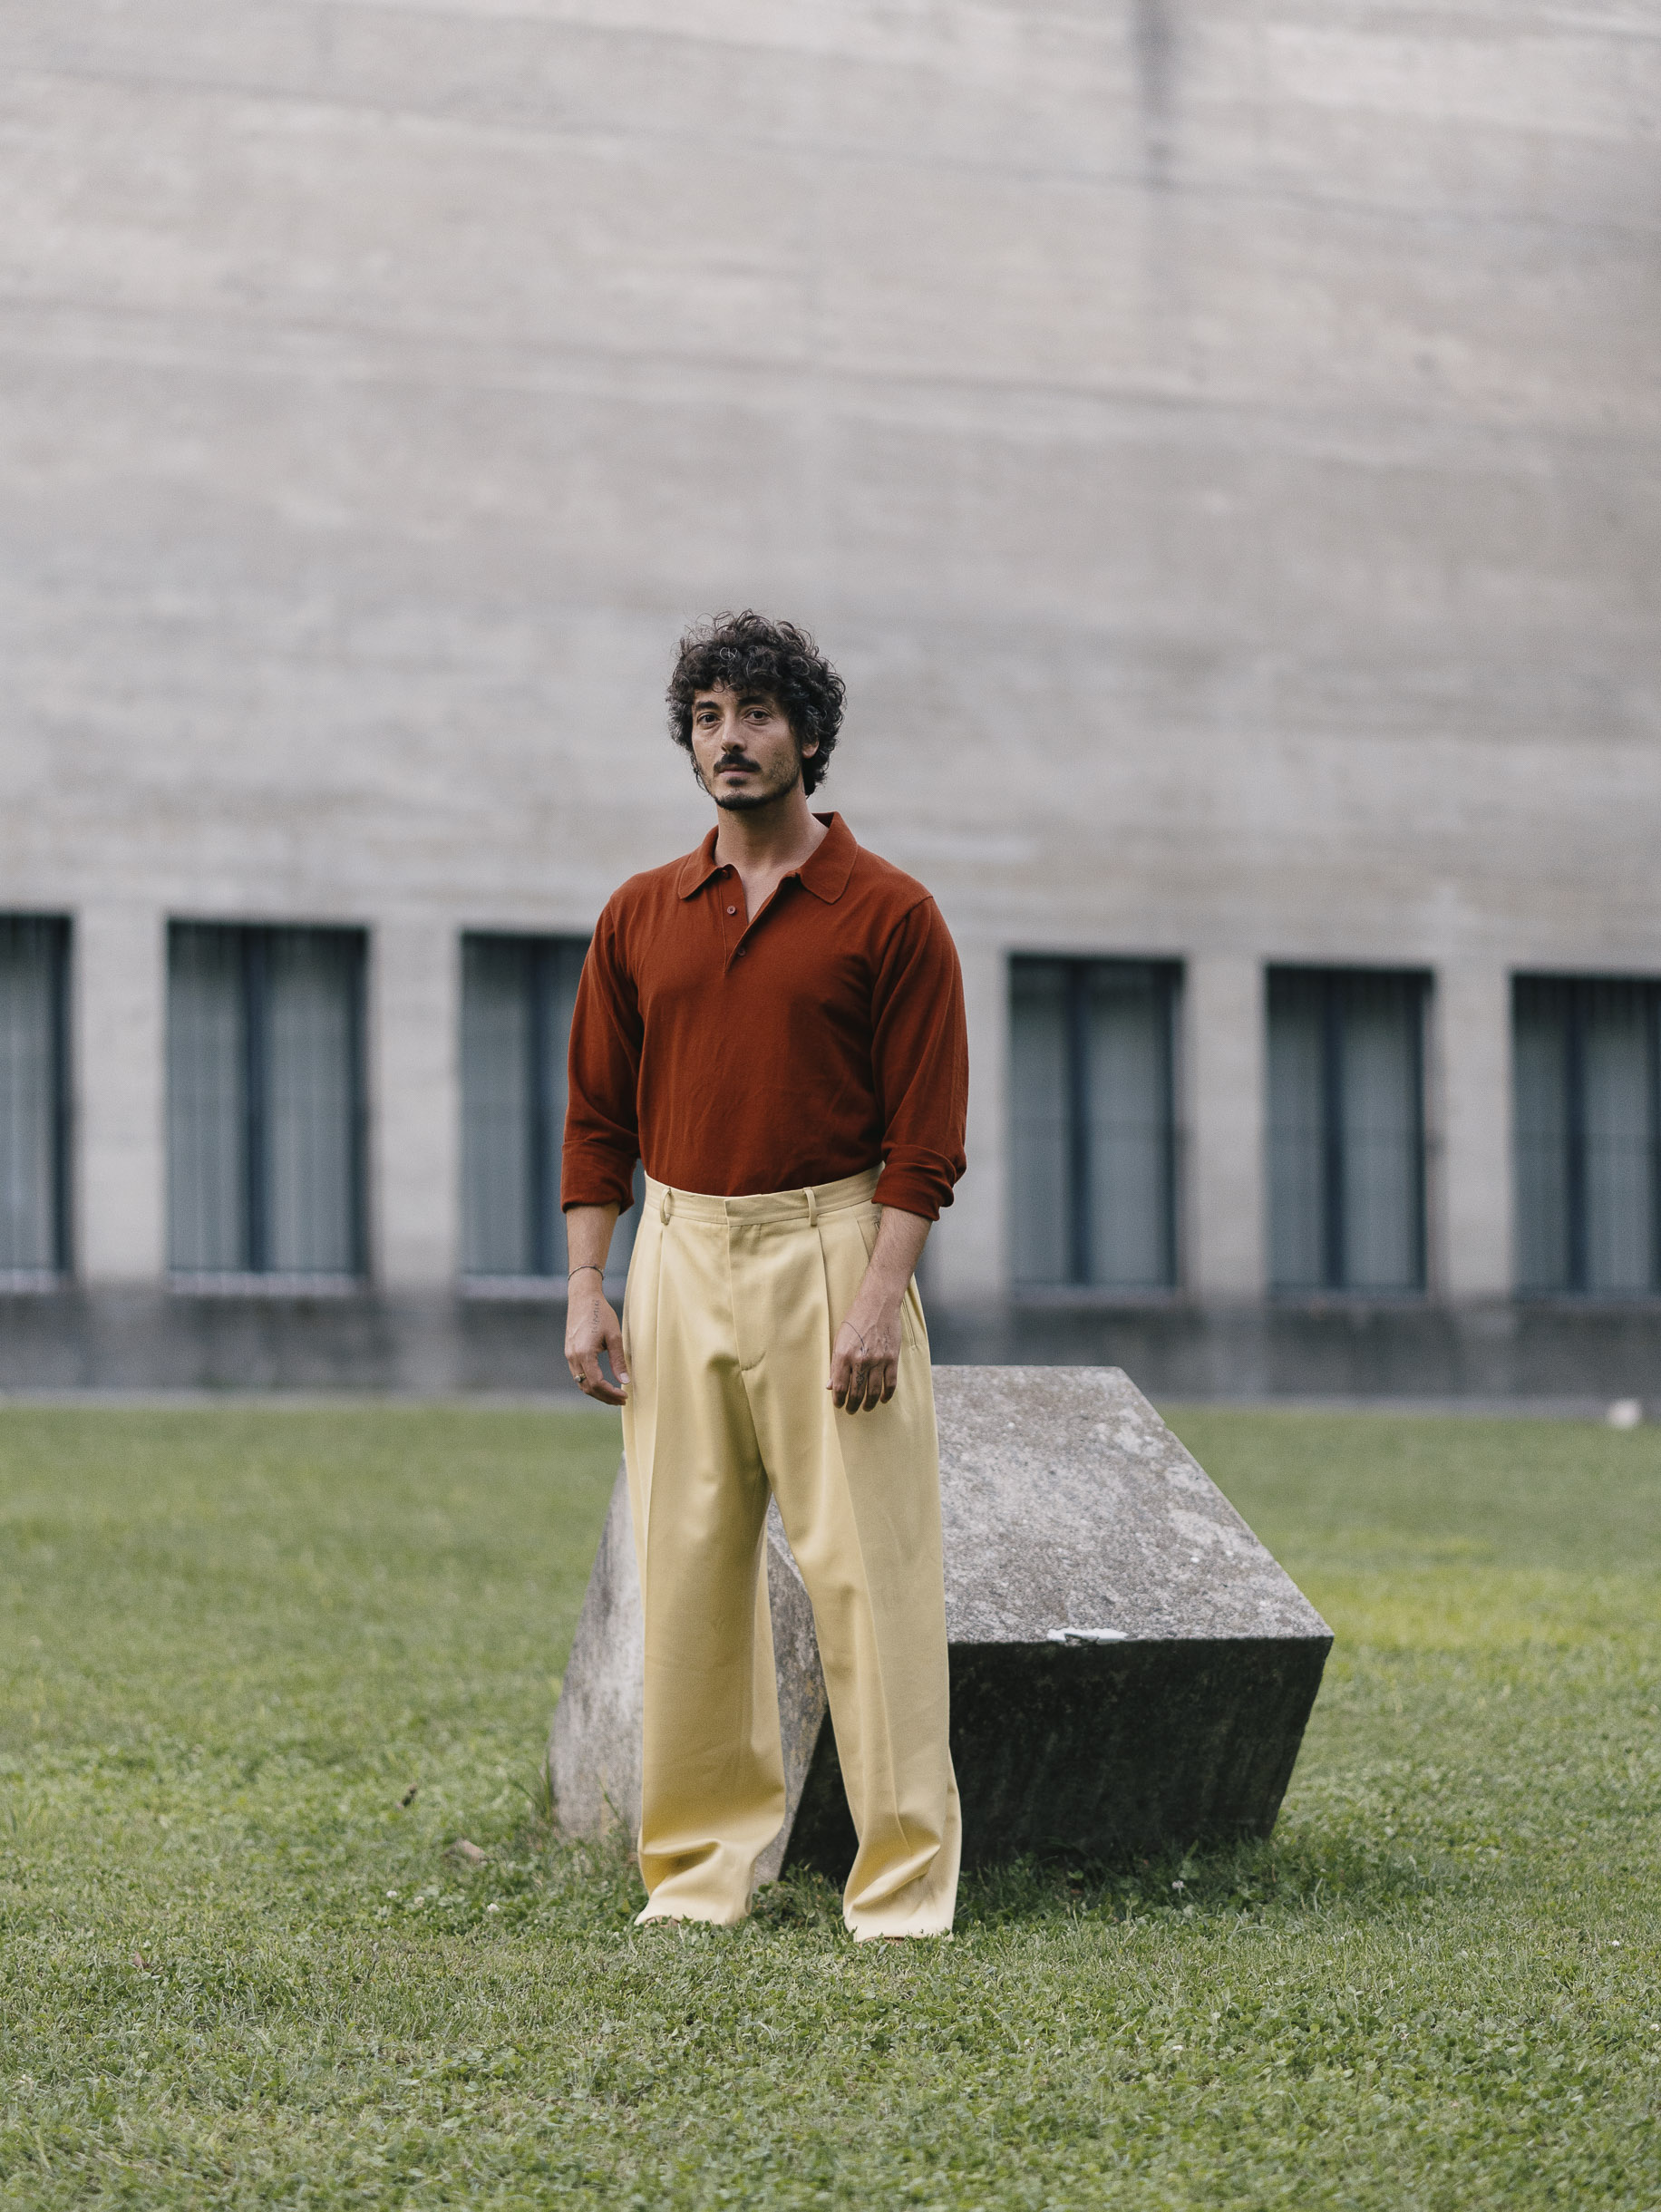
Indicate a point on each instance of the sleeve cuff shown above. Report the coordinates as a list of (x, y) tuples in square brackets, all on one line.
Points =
[(907, 1191), (593, 1182)]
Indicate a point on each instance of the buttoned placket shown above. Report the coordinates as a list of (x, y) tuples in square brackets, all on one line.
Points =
[(735, 929)]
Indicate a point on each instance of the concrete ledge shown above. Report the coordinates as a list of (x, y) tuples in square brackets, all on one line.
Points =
[(146, 1337), (162, 1339), (1330, 1349)]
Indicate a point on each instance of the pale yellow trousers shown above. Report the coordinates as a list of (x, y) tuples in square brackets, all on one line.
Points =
[(728, 1320)]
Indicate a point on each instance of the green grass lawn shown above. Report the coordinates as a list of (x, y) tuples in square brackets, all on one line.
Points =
[(238, 1966)]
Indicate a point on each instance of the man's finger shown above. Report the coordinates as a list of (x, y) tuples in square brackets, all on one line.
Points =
[(879, 1385), (613, 1352), (595, 1383)]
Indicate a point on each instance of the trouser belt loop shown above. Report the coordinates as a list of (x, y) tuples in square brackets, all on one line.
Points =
[(812, 1210), (667, 1208)]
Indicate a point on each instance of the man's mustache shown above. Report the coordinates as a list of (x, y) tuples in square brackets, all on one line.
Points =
[(738, 759)]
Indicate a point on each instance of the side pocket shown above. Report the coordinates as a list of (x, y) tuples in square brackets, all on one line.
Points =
[(633, 1290), (913, 1318)]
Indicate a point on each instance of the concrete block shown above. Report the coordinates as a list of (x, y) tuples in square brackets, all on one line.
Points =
[(1129, 1667)]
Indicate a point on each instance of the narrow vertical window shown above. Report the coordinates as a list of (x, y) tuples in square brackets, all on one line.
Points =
[(518, 995), (1587, 1070), (34, 1097), (1094, 1125), (1346, 1130), (265, 1101)]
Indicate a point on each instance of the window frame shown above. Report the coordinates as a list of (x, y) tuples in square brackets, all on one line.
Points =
[(545, 1278), (1335, 1256), (1578, 988), (57, 933), (254, 943), (1166, 976)]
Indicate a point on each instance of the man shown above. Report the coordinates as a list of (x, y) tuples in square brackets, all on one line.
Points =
[(774, 1025)]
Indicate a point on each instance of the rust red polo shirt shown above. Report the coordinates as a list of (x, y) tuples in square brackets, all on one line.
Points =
[(824, 1036)]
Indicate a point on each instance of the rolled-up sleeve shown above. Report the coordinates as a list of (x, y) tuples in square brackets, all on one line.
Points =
[(920, 1063), (602, 1134)]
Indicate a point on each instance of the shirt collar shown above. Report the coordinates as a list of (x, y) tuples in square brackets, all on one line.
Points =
[(824, 872)]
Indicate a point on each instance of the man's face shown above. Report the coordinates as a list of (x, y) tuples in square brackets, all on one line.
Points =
[(746, 752)]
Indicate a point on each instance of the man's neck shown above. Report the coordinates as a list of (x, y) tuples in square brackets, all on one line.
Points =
[(767, 840)]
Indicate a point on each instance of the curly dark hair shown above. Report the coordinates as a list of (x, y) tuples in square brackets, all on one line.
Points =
[(750, 653)]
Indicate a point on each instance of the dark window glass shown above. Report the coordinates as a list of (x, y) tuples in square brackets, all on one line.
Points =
[(33, 1095), (1093, 1123), (265, 1101), (1346, 1130), (518, 995), (1587, 1064)]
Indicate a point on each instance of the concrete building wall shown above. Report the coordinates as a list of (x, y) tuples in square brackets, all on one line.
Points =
[(1217, 442)]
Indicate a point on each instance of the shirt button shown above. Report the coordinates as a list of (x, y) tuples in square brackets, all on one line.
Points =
[(732, 910)]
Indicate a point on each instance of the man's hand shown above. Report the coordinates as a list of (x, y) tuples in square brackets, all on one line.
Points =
[(591, 1328), (864, 1357)]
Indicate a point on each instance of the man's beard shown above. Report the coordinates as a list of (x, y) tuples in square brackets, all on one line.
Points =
[(748, 802)]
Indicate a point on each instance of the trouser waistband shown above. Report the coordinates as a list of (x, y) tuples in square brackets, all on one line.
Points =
[(797, 1207)]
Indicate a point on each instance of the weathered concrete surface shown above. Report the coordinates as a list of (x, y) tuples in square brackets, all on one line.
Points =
[(1130, 1667), (594, 1752)]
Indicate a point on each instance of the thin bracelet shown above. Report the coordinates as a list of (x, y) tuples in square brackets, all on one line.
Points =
[(587, 1268)]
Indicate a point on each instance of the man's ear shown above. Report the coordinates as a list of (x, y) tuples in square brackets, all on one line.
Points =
[(807, 749)]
